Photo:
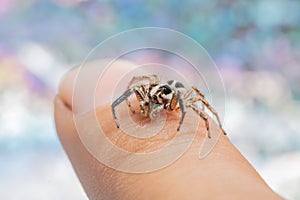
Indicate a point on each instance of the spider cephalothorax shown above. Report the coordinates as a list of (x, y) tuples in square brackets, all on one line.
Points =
[(155, 96)]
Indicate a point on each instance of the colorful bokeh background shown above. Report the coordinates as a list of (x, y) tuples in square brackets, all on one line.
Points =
[(255, 44)]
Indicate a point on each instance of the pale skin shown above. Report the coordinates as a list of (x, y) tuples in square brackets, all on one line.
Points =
[(223, 174)]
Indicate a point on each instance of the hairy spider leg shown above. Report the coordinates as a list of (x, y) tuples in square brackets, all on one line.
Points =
[(189, 92), (206, 104), (203, 115)]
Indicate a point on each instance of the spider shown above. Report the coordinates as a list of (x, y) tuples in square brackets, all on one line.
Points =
[(154, 96)]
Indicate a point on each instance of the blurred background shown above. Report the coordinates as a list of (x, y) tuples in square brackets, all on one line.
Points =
[(255, 44)]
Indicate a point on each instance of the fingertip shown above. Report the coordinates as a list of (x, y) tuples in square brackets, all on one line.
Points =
[(64, 123), (94, 81), (67, 85), (68, 135)]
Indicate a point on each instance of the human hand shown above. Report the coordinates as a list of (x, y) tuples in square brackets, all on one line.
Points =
[(223, 174)]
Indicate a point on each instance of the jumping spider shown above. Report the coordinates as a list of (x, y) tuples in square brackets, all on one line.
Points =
[(155, 96)]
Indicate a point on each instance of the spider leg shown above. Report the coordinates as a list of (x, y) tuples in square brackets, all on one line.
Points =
[(153, 79), (203, 115), (189, 92), (200, 94), (182, 109), (129, 105), (119, 100), (205, 103)]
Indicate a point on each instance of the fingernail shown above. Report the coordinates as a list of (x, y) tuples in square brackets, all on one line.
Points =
[(95, 83)]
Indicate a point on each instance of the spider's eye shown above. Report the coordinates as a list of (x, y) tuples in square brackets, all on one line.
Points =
[(166, 89)]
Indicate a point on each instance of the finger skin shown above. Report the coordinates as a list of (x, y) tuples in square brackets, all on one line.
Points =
[(223, 174)]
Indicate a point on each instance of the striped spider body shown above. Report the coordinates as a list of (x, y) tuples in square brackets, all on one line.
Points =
[(153, 97)]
